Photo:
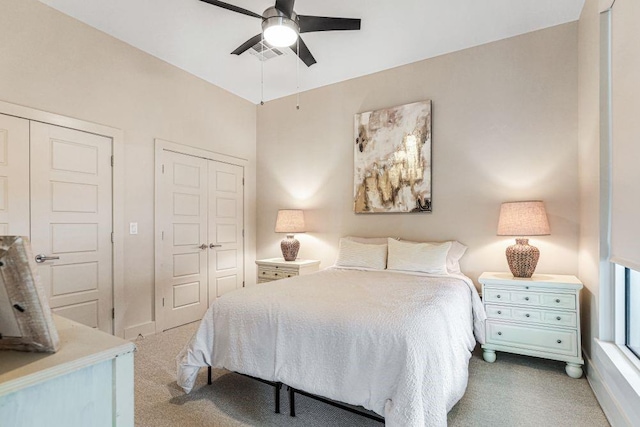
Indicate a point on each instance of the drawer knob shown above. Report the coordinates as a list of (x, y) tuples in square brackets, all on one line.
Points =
[(559, 341), (264, 272), (499, 333), (526, 287), (498, 296), (526, 298), (557, 300), (528, 315), (276, 274), (558, 318), (499, 312), (288, 275)]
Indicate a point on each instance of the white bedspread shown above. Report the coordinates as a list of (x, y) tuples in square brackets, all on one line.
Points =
[(398, 344)]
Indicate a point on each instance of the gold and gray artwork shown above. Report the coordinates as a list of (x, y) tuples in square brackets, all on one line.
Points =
[(392, 159)]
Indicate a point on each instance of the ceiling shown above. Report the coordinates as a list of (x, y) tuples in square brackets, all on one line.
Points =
[(199, 38)]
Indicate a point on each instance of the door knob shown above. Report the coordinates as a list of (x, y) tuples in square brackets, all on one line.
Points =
[(211, 246), (203, 246), (40, 258)]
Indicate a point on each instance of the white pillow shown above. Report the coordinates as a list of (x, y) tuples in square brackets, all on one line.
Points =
[(368, 240), (456, 252), (422, 257), (354, 254), (454, 255)]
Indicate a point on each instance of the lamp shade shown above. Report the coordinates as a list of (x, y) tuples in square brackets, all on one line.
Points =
[(290, 221), (523, 219)]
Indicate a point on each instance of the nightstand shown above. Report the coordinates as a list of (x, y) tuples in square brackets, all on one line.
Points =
[(277, 268), (537, 316)]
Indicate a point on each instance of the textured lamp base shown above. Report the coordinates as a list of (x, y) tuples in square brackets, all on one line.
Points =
[(290, 247), (522, 258)]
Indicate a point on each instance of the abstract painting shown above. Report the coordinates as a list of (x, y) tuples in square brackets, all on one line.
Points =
[(392, 159)]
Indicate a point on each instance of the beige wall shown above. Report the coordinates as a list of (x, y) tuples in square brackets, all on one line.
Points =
[(589, 167), (52, 62), (504, 128)]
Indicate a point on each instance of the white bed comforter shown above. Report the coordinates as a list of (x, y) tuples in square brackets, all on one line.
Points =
[(398, 344)]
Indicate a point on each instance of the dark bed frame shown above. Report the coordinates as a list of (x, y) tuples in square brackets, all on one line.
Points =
[(292, 398)]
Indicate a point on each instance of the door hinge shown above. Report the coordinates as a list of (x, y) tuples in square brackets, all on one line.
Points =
[(111, 161), (162, 235), (162, 168), (242, 181), (163, 302), (113, 313), (243, 232), (112, 237), (243, 283)]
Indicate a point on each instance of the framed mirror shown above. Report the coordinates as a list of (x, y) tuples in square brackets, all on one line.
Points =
[(25, 316)]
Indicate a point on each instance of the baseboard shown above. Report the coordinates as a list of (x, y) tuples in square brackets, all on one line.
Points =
[(610, 389), (144, 329)]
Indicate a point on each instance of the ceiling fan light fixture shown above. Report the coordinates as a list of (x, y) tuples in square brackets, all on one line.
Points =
[(280, 31)]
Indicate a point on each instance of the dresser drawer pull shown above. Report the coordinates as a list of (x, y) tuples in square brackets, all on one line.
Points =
[(558, 318), (288, 275), (276, 274), (559, 341), (499, 333), (526, 298), (558, 300), (498, 296), (499, 312), (264, 272), (528, 315), (526, 287), (277, 266)]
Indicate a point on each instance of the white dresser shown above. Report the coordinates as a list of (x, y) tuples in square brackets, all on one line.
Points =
[(87, 382), (537, 316), (277, 268)]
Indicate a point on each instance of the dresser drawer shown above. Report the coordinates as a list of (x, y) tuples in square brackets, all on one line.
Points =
[(532, 298), (276, 272), (557, 341), (532, 315)]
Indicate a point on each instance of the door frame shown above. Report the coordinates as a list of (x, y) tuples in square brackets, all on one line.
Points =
[(164, 145), (117, 197)]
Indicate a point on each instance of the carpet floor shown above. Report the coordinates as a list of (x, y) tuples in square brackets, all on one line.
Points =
[(513, 391)]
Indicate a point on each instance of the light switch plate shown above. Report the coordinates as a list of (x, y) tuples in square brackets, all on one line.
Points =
[(133, 228)]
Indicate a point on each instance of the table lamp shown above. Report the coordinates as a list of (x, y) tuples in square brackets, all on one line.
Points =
[(290, 221), (520, 219)]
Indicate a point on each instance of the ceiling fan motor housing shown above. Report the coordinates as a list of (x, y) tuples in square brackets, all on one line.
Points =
[(287, 28)]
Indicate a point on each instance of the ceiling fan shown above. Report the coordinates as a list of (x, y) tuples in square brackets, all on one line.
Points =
[(281, 27)]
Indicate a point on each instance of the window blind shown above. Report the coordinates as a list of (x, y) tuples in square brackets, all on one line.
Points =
[(625, 143)]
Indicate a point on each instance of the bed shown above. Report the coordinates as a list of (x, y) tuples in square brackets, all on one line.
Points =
[(396, 343)]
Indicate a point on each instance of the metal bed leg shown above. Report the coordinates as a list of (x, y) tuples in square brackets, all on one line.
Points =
[(292, 402), (277, 388), (209, 376)]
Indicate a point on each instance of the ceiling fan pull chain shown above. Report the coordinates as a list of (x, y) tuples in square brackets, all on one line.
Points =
[(298, 75), (262, 70)]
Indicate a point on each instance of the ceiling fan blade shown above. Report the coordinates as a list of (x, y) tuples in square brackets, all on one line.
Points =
[(285, 6), (310, 24), (247, 45), (232, 8), (305, 55)]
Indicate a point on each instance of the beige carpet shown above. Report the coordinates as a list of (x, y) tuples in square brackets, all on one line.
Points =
[(513, 391)]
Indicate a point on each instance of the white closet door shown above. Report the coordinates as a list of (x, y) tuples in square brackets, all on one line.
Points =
[(14, 176), (183, 217), (226, 254), (71, 221)]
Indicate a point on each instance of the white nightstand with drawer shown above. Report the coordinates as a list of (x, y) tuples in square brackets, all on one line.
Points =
[(277, 268), (538, 316)]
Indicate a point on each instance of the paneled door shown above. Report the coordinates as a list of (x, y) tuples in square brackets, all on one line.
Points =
[(71, 221), (14, 176), (182, 213), (226, 254)]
